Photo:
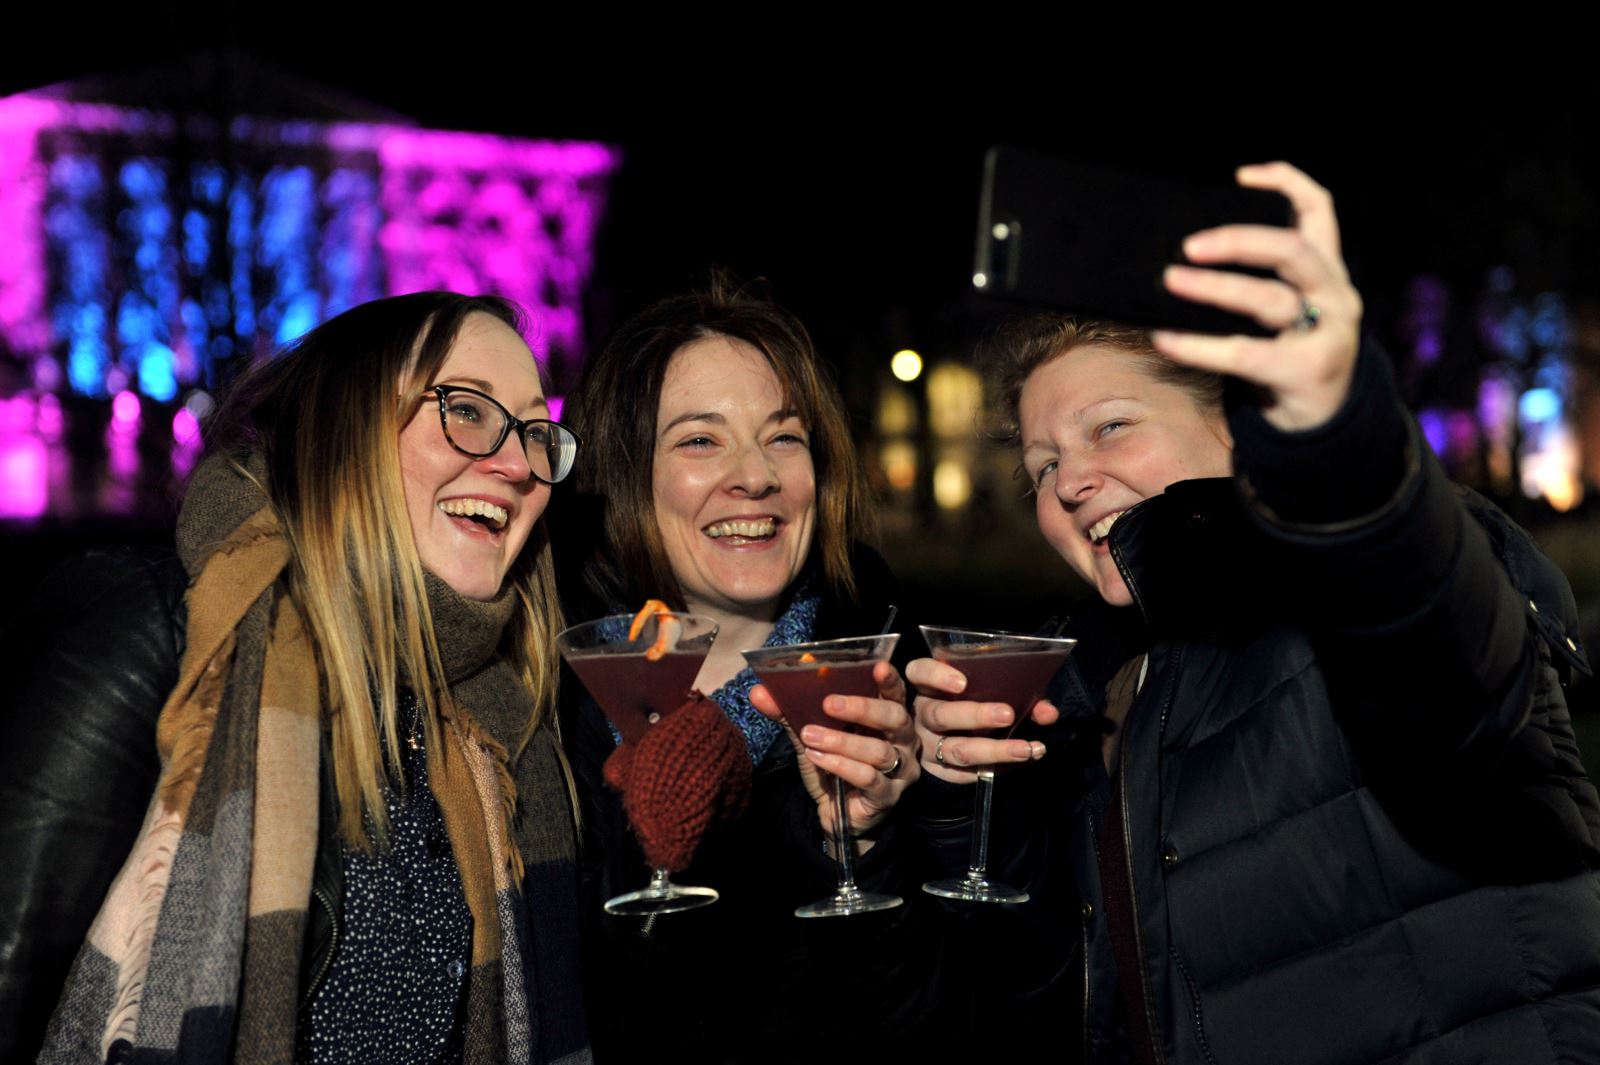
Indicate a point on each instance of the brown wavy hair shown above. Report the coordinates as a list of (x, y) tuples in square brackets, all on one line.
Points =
[(614, 408)]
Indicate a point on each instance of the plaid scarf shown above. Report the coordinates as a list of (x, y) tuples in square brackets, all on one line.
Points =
[(195, 953)]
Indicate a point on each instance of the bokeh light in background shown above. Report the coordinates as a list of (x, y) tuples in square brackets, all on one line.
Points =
[(906, 365), (147, 257)]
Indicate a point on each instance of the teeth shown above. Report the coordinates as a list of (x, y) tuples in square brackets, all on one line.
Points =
[(1102, 528), (750, 530), (466, 508)]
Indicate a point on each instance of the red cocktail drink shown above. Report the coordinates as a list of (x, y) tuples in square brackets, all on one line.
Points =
[(799, 677), (1000, 667), (640, 668), (801, 687), (1016, 678), (633, 691)]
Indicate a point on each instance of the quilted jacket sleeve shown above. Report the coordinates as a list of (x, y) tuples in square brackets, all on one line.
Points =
[(1441, 625)]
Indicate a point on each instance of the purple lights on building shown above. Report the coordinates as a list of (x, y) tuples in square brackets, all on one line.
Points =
[(141, 253), (125, 256), (476, 213)]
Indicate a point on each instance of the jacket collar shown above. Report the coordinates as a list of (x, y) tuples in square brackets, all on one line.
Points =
[(1191, 558)]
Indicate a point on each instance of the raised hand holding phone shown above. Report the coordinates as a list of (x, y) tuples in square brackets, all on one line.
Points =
[(1304, 371)]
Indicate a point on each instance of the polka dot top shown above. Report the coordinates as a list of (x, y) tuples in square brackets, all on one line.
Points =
[(399, 972)]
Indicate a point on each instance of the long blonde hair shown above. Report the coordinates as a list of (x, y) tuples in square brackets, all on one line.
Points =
[(325, 418)]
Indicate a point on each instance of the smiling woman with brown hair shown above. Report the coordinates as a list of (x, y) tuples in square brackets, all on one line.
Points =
[(726, 484)]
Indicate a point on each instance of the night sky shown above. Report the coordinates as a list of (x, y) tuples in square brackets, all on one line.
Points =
[(844, 167)]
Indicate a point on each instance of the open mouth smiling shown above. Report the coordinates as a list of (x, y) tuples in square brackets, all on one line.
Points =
[(477, 511), (1101, 529), (743, 531)]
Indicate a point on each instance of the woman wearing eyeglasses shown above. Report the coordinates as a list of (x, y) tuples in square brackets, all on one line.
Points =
[(360, 844)]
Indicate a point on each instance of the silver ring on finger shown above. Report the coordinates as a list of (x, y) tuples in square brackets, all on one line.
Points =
[(1310, 314), (892, 770), (938, 751)]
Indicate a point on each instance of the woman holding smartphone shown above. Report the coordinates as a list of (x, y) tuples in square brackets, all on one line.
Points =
[(1309, 774)]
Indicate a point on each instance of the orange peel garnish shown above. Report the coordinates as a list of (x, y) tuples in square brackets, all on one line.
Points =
[(666, 633), (806, 658), (651, 608)]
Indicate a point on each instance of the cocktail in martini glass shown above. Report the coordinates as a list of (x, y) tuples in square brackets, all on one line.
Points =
[(639, 679), (800, 676), (1000, 667)]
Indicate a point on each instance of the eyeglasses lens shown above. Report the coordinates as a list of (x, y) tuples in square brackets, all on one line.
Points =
[(475, 426)]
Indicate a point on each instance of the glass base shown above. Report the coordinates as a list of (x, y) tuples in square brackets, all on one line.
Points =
[(846, 903), (661, 898), (974, 889)]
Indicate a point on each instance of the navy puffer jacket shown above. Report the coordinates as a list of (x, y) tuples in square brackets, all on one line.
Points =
[(1356, 825)]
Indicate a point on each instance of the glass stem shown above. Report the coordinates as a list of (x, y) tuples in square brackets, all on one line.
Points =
[(978, 867), (842, 842), (659, 880)]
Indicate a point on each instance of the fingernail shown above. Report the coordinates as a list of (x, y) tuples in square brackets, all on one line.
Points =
[(810, 734), (1158, 337), (1035, 750), (1001, 716), (1196, 244)]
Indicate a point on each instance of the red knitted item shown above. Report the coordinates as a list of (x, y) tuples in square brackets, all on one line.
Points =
[(691, 768)]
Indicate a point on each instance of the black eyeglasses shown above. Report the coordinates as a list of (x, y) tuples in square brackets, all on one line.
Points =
[(476, 425)]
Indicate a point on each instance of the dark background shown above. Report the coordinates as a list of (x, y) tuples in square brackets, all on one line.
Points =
[(840, 161)]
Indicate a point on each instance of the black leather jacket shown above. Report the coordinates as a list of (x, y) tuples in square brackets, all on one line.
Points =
[(91, 661)]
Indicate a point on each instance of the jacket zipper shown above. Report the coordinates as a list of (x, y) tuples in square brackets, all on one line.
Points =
[(1195, 1013), (1085, 942), (1133, 898), (1194, 1006), (333, 945)]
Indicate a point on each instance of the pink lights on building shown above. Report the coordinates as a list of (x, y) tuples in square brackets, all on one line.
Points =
[(260, 228), (478, 213), (24, 460), (125, 412)]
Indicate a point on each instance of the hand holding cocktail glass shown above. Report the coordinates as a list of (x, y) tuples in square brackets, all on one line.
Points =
[(843, 704), (1000, 673), (868, 742), (640, 669)]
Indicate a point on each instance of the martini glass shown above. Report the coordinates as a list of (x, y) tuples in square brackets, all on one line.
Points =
[(636, 691), (800, 676), (1000, 667)]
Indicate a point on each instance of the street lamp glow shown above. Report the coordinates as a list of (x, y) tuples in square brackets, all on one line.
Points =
[(906, 365)]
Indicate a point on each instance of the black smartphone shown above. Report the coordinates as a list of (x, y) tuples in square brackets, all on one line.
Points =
[(1093, 240)]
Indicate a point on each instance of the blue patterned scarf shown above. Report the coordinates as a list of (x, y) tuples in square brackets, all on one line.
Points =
[(796, 625)]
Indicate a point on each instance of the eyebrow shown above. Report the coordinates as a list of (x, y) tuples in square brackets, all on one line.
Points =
[(484, 386), (1079, 414), (1078, 417), (717, 419)]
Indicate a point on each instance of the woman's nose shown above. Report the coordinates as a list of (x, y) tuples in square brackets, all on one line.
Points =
[(510, 459), (1076, 481), (753, 472)]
